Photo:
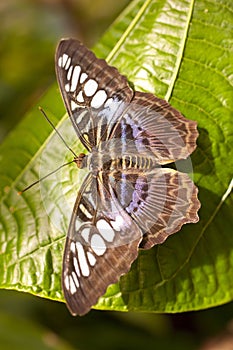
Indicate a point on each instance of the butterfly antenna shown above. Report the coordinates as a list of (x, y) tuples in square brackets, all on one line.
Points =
[(44, 177), (58, 133)]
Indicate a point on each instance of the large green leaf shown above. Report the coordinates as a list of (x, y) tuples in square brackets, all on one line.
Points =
[(176, 49)]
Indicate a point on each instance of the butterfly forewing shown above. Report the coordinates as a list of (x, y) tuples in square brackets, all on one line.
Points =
[(165, 131), (90, 87), (151, 128)]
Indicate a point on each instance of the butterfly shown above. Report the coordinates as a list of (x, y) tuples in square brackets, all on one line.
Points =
[(129, 198)]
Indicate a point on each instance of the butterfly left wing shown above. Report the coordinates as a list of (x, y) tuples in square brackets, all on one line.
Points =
[(101, 245), (91, 89)]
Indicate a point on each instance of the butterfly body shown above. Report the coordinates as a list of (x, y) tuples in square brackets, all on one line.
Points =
[(127, 200), (99, 161)]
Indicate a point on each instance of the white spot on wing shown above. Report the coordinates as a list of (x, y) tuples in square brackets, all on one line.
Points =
[(59, 62), (98, 99), (73, 288), (75, 78), (90, 87), (85, 211), (73, 105), (67, 282), (108, 102), (80, 98), (105, 230), (64, 59), (83, 77), (72, 247), (68, 63), (98, 245), (82, 260), (85, 233), (91, 258), (69, 72), (67, 87), (76, 267), (77, 222), (118, 223), (75, 279)]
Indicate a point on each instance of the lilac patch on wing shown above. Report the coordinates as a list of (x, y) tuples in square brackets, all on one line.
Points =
[(139, 195)]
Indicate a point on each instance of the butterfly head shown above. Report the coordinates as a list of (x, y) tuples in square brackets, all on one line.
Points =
[(80, 160)]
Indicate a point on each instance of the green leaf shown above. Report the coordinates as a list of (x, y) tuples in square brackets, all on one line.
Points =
[(176, 49)]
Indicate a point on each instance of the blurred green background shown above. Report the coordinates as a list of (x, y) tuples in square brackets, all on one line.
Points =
[(29, 33)]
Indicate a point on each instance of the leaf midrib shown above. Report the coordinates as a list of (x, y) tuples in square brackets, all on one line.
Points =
[(180, 54)]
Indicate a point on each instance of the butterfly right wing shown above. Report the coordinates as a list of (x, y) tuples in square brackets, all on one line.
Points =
[(101, 244), (89, 87)]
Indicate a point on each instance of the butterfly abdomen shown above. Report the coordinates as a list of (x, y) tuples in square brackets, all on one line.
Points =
[(132, 162), (97, 161)]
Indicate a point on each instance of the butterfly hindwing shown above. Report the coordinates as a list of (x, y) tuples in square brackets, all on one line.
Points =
[(101, 245), (159, 200)]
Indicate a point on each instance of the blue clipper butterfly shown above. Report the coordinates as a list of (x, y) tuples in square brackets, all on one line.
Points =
[(129, 199)]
